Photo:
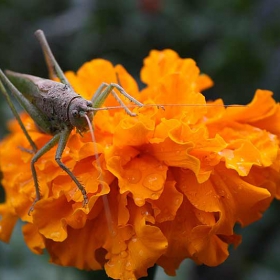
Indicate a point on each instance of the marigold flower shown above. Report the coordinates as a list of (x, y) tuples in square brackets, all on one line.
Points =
[(176, 179)]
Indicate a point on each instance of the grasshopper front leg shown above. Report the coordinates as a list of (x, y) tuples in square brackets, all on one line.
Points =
[(105, 89), (64, 135)]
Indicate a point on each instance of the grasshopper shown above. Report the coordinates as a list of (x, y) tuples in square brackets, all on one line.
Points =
[(55, 108)]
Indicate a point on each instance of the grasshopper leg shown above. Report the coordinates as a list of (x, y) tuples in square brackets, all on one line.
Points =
[(53, 67), (61, 139), (35, 158), (105, 89), (64, 135)]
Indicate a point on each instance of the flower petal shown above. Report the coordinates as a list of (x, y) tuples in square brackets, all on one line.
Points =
[(33, 238), (7, 222), (144, 248), (142, 176)]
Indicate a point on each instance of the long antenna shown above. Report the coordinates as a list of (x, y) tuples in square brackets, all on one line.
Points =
[(172, 105), (107, 209)]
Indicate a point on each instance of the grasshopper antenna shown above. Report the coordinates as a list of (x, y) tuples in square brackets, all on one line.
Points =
[(107, 210)]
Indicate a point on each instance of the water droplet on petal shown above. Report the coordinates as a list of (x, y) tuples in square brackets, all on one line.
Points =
[(113, 233), (133, 176), (55, 235), (128, 266), (177, 201), (160, 167), (154, 182), (154, 196), (110, 263), (124, 254), (145, 213), (139, 201)]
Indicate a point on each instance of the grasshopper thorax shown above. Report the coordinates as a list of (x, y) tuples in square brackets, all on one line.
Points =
[(78, 108)]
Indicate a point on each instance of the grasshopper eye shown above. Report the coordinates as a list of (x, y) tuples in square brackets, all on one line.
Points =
[(89, 103), (75, 113)]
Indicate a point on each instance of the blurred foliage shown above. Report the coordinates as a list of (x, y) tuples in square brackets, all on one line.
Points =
[(236, 42)]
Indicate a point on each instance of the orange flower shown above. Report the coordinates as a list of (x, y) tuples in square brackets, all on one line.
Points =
[(173, 181)]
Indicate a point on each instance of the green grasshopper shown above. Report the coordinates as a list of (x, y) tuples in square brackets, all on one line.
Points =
[(55, 108)]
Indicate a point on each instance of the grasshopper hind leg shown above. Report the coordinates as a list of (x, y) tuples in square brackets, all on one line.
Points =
[(5, 92), (53, 67)]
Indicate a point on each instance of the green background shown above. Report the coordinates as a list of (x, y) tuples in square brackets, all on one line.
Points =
[(236, 42)]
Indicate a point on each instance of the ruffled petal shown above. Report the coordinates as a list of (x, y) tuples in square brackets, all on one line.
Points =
[(33, 238), (143, 249), (143, 177), (7, 222)]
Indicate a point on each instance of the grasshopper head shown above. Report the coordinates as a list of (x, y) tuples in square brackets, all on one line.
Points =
[(78, 108)]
